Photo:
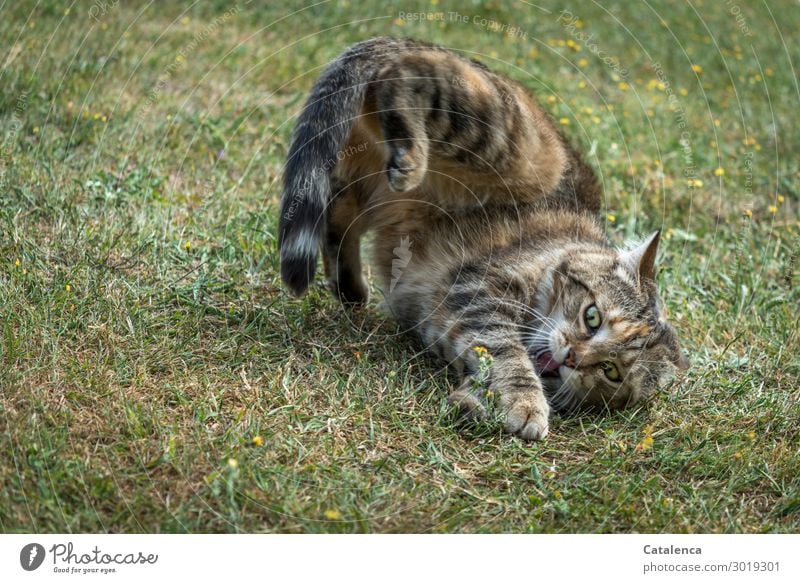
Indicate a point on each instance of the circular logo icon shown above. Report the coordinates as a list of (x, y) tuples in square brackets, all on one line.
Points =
[(31, 556)]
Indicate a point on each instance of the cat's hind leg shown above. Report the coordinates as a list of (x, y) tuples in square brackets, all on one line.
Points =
[(346, 222)]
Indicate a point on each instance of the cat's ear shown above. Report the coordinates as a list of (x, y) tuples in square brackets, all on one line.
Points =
[(642, 258)]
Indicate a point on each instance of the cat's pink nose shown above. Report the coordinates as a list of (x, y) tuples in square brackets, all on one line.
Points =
[(570, 360)]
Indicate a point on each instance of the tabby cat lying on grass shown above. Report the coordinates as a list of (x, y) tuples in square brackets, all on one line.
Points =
[(492, 213)]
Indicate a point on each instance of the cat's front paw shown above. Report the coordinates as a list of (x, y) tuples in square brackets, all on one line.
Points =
[(468, 404), (404, 171), (526, 414)]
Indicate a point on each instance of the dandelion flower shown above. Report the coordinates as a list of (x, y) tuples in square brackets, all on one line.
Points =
[(623, 86), (333, 515), (781, 198), (582, 63), (772, 208), (257, 441), (719, 172), (68, 288), (611, 218), (751, 435), (738, 455), (17, 263), (697, 68), (187, 245), (564, 121), (748, 213), (481, 350)]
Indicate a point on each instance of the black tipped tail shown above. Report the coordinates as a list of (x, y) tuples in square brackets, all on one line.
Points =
[(321, 131), (297, 272)]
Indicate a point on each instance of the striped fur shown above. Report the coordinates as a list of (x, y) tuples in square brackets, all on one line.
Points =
[(484, 232)]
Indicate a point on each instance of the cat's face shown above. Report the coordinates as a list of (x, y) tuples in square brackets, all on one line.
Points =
[(602, 341)]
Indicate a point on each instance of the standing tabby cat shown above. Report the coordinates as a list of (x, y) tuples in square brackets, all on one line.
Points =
[(485, 233)]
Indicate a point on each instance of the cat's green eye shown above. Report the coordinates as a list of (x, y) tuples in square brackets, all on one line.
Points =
[(611, 371), (592, 317)]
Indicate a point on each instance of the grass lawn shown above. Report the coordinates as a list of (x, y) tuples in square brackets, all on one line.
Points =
[(155, 376)]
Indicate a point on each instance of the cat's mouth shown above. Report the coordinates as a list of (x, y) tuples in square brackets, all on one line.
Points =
[(546, 365)]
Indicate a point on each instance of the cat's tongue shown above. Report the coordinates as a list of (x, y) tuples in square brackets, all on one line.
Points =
[(545, 363)]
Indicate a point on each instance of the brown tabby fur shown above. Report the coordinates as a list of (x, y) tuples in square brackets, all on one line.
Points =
[(490, 212)]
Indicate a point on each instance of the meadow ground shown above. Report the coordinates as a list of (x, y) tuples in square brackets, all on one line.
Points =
[(154, 376)]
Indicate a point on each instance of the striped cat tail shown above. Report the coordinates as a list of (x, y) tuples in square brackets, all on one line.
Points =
[(322, 130)]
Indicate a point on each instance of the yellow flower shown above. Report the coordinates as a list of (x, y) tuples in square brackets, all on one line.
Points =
[(751, 434), (17, 263), (104, 119), (697, 183), (647, 441), (623, 86), (697, 68), (333, 515), (399, 22), (551, 99), (96, 116), (738, 455), (611, 218), (481, 350), (581, 84), (683, 91), (772, 208), (769, 72), (232, 463), (187, 245), (582, 62), (257, 441), (781, 198), (68, 288), (719, 172), (564, 121), (748, 213)]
